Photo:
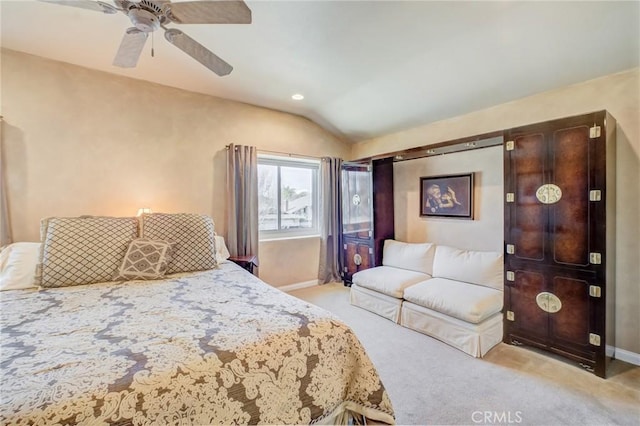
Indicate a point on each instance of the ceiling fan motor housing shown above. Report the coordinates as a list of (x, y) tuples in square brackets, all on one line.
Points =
[(144, 20)]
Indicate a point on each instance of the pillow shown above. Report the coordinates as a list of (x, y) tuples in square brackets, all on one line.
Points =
[(144, 260), (18, 262), (222, 253), (416, 257), (477, 267), (84, 250), (192, 236)]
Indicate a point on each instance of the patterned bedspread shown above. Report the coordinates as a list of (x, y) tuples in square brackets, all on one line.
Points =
[(213, 347)]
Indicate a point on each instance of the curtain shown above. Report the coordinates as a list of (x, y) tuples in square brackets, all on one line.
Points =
[(242, 200), (5, 226), (330, 220)]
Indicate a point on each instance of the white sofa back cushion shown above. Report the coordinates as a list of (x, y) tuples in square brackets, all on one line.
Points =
[(476, 267), (412, 256)]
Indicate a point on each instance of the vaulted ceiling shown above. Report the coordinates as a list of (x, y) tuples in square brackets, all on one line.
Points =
[(366, 68)]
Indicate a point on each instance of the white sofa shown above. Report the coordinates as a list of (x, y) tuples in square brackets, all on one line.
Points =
[(451, 294)]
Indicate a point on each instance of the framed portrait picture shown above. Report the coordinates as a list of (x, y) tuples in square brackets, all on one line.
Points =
[(447, 196)]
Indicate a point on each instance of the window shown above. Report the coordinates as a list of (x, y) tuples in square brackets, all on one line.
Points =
[(287, 196)]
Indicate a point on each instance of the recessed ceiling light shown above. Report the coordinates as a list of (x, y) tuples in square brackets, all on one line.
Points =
[(297, 97)]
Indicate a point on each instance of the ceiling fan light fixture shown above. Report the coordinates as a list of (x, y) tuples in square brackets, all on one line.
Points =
[(297, 97)]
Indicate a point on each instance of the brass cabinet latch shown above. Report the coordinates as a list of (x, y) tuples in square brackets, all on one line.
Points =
[(548, 302), (595, 291)]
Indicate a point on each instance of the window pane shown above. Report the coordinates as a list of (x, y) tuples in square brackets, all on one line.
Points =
[(288, 197), (297, 196), (267, 197)]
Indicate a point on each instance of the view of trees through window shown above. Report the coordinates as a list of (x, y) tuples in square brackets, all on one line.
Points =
[(287, 193)]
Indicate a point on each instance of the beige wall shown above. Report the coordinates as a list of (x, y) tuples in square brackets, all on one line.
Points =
[(290, 261), (80, 141), (487, 226), (617, 93)]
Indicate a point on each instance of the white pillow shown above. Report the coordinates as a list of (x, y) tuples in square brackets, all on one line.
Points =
[(477, 267), (18, 263), (222, 253), (412, 256)]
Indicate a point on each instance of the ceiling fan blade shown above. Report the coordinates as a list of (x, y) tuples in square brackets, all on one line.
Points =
[(85, 4), (130, 48), (197, 52), (210, 12)]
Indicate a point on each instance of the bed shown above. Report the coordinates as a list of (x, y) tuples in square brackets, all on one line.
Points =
[(206, 347)]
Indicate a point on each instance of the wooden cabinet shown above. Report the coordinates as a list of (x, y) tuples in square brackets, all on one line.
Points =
[(367, 214), (559, 237)]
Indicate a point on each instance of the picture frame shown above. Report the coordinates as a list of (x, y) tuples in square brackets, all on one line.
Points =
[(447, 196)]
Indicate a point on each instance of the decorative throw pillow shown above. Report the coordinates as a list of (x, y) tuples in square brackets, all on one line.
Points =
[(145, 260), (84, 250), (192, 236)]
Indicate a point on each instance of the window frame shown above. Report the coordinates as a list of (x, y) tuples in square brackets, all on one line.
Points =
[(301, 163)]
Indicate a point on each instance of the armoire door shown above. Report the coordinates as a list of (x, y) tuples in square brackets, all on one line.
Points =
[(551, 218), (367, 214), (357, 256), (357, 206), (556, 236), (357, 218), (553, 309)]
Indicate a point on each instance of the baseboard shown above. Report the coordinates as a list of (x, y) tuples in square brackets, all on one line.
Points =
[(298, 286), (609, 351), (627, 356)]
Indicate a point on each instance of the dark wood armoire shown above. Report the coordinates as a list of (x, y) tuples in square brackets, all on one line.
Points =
[(367, 214), (559, 237)]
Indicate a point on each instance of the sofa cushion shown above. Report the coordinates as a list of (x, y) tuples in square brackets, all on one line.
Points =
[(477, 267), (468, 302), (416, 257), (388, 280)]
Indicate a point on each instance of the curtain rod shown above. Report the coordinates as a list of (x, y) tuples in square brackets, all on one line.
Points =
[(286, 154)]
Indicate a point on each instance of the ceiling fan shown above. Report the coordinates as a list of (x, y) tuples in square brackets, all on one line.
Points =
[(149, 15)]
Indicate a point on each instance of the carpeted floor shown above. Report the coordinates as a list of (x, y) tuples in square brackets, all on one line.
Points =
[(431, 383)]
